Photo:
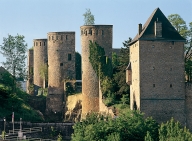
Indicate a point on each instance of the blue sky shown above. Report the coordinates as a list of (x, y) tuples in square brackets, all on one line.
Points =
[(35, 18)]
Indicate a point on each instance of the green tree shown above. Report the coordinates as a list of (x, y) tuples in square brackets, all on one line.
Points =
[(130, 125), (88, 18), (119, 71), (44, 73), (14, 49), (173, 131), (179, 24)]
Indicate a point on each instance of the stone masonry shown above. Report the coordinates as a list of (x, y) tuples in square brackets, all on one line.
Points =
[(101, 34), (30, 71), (61, 66), (157, 66), (40, 59)]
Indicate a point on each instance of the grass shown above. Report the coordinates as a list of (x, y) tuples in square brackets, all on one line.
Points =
[(17, 103)]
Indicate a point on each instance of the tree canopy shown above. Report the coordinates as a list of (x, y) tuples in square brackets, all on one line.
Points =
[(88, 18), (14, 49)]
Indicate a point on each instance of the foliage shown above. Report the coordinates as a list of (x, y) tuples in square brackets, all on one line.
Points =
[(128, 126), (78, 65), (115, 59), (69, 88), (172, 131), (179, 24), (7, 80), (101, 64), (119, 74), (125, 99), (59, 137), (14, 49), (3, 134), (148, 137), (88, 18)]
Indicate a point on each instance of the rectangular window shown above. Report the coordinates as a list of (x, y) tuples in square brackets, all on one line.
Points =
[(66, 37), (40, 43), (61, 64), (102, 32), (44, 43), (153, 85), (52, 37), (36, 43), (69, 57), (49, 38), (61, 37), (170, 85), (173, 42)]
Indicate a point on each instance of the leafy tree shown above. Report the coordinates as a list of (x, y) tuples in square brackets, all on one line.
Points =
[(14, 49), (172, 131), (44, 73), (179, 24), (88, 18), (78, 65), (128, 126), (119, 70)]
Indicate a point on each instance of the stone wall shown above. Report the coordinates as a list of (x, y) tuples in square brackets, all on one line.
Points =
[(188, 102), (61, 66), (30, 71), (40, 59), (158, 70), (102, 34)]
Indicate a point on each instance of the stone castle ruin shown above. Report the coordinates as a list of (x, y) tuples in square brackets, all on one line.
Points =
[(155, 72)]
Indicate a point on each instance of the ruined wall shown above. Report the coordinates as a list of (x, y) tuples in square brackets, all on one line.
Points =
[(102, 34), (162, 85), (61, 66), (40, 59), (30, 72)]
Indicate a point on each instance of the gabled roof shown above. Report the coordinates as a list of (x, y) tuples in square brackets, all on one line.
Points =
[(168, 31)]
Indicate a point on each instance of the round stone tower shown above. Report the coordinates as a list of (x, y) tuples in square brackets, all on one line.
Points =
[(40, 59), (101, 34), (61, 66)]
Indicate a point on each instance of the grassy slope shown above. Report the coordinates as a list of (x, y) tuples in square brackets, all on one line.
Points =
[(18, 103)]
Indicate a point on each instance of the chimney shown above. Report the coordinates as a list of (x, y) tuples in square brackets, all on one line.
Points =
[(140, 28), (158, 28)]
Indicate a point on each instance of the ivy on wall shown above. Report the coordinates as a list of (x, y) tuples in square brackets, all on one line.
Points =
[(101, 64)]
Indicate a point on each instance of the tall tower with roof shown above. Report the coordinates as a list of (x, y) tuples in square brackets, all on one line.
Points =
[(156, 70)]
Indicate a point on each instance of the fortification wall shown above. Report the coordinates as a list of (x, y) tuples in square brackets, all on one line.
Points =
[(188, 102), (40, 59), (30, 71), (61, 66), (102, 34)]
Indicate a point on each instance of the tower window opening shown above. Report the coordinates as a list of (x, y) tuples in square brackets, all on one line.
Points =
[(171, 86), (36, 43), (172, 42), (66, 37), (44, 43), (61, 64), (40, 43), (49, 38), (61, 37), (102, 32), (90, 32), (96, 32), (56, 37), (69, 57), (86, 33), (153, 85), (52, 37)]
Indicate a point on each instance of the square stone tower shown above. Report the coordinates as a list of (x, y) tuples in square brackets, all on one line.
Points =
[(156, 70)]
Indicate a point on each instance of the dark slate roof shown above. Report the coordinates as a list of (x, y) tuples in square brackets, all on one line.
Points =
[(168, 31)]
